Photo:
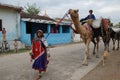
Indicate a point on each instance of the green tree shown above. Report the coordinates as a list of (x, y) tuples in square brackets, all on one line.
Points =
[(32, 9), (118, 24)]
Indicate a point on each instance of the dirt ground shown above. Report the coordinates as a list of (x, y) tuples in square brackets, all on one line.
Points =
[(111, 70)]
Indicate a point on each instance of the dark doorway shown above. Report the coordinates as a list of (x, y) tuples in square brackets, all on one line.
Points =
[(31, 28), (0, 25)]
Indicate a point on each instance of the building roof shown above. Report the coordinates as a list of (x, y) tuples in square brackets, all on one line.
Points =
[(35, 18), (15, 8)]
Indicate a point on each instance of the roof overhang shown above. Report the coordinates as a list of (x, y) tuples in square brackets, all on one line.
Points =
[(38, 21), (15, 8)]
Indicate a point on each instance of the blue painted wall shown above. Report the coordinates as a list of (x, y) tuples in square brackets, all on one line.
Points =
[(52, 38), (25, 38)]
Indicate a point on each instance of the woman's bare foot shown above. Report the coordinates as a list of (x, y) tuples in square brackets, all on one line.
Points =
[(38, 77)]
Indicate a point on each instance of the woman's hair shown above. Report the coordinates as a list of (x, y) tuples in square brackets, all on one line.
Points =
[(40, 31)]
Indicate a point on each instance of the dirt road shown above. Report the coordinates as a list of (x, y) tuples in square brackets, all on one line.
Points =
[(111, 70), (65, 64)]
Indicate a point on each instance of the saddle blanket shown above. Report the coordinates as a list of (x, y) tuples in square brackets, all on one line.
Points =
[(116, 29), (96, 23)]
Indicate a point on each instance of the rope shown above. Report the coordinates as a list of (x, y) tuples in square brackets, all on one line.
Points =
[(66, 14), (73, 29), (47, 35)]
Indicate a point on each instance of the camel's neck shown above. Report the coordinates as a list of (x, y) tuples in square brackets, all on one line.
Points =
[(77, 24)]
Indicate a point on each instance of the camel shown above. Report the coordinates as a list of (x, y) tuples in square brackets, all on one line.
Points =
[(115, 35), (86, 35), (106, 32)]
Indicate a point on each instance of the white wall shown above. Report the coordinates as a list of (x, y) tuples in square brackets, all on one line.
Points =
[(11, 21), (76, 37)]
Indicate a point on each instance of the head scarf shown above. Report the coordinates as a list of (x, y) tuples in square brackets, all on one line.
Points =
[(40, 31)]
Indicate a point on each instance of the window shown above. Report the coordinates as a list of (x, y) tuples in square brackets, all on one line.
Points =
[(54, 29), (43, 27), (65, 29), (0, 25), (33, 27)]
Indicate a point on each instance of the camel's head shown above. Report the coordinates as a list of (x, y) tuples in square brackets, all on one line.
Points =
[(106, 23), (73, 13)]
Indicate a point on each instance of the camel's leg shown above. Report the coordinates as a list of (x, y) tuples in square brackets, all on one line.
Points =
[(85, 62), (104, 41), (107, 46), (97, 45), (113, 44), (108, 41), (118, 45), (94, 46)]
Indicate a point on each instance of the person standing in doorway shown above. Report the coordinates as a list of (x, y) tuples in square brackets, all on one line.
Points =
[(3, 34)]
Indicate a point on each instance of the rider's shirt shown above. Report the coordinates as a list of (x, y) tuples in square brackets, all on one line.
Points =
[(91, 16)]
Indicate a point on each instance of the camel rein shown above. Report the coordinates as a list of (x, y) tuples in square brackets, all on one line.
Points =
[(66, 15)]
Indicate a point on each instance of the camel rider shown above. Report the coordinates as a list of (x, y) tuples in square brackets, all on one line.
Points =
[(89, 18)]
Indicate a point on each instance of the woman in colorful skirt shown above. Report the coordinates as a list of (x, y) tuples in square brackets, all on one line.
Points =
[(39, 54)]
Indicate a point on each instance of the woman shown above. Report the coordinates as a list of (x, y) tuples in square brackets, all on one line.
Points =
[(39, 54)]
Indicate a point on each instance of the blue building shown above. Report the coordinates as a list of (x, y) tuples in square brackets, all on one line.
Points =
[(54, 35)]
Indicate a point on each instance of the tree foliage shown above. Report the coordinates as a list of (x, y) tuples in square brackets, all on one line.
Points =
[(118, 24), (32, 9)]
